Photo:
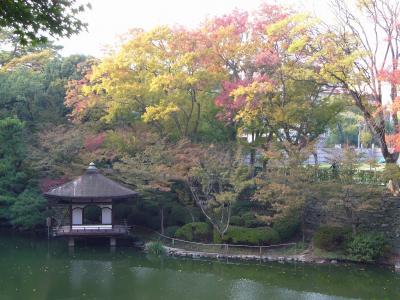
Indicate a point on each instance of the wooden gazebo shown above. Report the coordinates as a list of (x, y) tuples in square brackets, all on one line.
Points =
[(84, 207)]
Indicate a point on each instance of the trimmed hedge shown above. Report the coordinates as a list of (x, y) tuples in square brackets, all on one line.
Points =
[(248, 236), (332, 238), (197, 231), (237, 220)]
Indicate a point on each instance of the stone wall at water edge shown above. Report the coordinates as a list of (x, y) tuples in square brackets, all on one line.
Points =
[(377, 211)]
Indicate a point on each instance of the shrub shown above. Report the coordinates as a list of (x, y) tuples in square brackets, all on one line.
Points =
[(367, 247), (178, 216), (241, 207), (156, 248), (249, 236), (332, 238), (248, 216), (197, 231), (249, 220), (254, 223), (171, 230), (287, 226), (237, 220)]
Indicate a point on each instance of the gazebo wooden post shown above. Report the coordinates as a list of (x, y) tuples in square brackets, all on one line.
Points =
[(70, 215), (112, 213)]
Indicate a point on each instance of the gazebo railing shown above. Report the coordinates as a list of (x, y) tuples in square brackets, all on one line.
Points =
[(91, 230)]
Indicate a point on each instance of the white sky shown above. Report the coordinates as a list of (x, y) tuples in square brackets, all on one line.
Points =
[(109, 18)]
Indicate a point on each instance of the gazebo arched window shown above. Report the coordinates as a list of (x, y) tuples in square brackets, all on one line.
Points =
[(92, 215)]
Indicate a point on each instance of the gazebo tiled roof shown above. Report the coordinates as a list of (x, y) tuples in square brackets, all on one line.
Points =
[(91, 185)]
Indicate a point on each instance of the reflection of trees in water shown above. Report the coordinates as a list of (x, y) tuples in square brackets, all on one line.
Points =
[(91, 275), (28, 264), (203, 285)]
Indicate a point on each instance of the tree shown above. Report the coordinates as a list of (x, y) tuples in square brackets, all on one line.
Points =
[(33, 86), (276, 96), (360, 55), (32, 21), (159, 77), (349, 125), (13, 176), (214, 187), (283, 190), (28, 210), (11, 48)]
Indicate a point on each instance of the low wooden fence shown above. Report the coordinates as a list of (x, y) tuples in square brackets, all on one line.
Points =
[(231, 249)]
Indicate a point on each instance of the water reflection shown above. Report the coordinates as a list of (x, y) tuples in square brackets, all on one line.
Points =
[(86, 272), (32, 270)]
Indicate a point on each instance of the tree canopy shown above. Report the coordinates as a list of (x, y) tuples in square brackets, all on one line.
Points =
[(34, 21)]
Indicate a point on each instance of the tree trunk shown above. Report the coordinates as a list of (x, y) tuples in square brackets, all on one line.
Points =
[(162, 220), (252, 162), (197, 122), (315, 154), (377, 129)]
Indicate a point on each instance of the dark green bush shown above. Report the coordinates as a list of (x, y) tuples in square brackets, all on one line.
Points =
[(237, 220), (171, 230), (197, 231), (241, 207), (251, 221), (248, 216), (366, 247), (177, 216), (248, 236), (287, 226), (254, 223), (332, 238)]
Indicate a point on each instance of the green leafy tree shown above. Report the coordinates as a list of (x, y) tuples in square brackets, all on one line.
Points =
[(28, 210), (13, 177), (33, 21), (33, 87)]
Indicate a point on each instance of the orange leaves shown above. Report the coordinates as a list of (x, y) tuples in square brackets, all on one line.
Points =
[(390, 76), (76, 98), (395, 106), (393, 141)]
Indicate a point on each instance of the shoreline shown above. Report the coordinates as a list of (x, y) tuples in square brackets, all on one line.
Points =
[(298, 258), (266, 258)]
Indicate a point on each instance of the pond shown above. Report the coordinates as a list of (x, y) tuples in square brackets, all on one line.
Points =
[(32, 268)]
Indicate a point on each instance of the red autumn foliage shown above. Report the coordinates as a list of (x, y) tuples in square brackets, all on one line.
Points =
[(227, 102), (94, 142), (268, 14), (390, 76), (46, 184), (237, 21)]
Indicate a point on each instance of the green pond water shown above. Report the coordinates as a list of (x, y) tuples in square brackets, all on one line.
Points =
[(32, 268)]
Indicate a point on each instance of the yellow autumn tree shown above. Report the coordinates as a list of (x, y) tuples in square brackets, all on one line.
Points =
[(160, 76)]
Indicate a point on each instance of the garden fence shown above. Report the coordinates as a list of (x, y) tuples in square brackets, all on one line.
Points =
[(231, 249)]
